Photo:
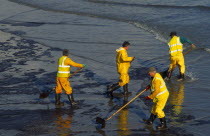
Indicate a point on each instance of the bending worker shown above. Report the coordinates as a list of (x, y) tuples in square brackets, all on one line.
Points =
[(159, 95), (123, 64), (176, 56), (63, 75)]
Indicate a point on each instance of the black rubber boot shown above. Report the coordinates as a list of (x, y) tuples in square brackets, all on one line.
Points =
[(57, 100), (125, 88), (71, 99), (181, 77), (162, 125), (112, 88), (151, 119)]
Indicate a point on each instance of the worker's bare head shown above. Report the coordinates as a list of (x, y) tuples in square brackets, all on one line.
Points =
[(152, 71), (126, 45), (65, 52), (172, 34)]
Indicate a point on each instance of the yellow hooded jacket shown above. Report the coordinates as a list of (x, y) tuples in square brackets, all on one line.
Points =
[(122, 61)]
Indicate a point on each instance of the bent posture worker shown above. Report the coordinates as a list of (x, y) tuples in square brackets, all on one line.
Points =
[(176, 55), (159, 95)]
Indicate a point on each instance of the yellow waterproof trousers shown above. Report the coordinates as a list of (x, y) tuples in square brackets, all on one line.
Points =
[(63, 83), (159, 104), (124, 79), (177, 60)]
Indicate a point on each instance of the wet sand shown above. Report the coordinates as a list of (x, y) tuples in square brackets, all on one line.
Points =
[(28, 67)]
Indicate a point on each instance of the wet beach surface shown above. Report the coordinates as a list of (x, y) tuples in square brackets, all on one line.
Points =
[(26, 73), (30, 47)]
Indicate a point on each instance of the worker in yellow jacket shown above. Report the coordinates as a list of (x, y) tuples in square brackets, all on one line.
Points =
[(176, 56), (63, 74), (123, 64), (159, 95)]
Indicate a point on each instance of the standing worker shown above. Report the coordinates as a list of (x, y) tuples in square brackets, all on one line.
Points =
[(63, 75), (176, 56), (123, 64), (159, 94)]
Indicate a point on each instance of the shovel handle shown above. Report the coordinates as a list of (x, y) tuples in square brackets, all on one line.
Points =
[(75, 72), (187, 51), (126, 104)]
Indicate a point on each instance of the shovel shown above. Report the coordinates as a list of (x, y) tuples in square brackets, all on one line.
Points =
[(46, 94), (103, 121)]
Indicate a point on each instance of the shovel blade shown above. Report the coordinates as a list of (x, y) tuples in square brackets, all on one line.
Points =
[(101, 121)]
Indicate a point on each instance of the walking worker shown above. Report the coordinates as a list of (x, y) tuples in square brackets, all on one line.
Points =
[(159, 95), (123, 64), (63, 74), (176, 56)]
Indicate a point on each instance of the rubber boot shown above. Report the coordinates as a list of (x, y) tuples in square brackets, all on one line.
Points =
[(181, 77), (162, 125), (57, 100), (125, 88), (125, 101), (71, 99), (112, 88), (151, 119)]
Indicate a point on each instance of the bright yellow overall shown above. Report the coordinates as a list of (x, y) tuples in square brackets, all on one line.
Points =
[(176, 56), (159, 94), (123, 64), (63, 74)]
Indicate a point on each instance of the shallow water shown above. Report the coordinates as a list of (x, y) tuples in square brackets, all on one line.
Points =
[(33, 34)]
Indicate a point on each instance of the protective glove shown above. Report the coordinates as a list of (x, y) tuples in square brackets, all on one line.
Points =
[(147, 98), (84, 65), (147, 87)]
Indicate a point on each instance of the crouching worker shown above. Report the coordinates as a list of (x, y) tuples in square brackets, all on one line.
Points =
[(123, 64), (159, 95), (63, 74)]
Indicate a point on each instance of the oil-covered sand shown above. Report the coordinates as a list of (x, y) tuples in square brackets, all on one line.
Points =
[(29, 51)]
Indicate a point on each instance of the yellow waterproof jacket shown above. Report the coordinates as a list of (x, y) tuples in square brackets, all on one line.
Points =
[(175, 46), (122, 61), (158, 87), (64, 64)]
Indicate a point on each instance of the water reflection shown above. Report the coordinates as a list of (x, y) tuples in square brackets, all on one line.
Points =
[(63, 122), (123, 120), (176, 99)]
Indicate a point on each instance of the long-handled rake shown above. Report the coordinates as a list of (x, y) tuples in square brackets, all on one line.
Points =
[(103, 121), (46, 94)]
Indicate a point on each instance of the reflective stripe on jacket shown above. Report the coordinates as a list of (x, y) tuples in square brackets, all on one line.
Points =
[(158, 86), (175, 46), (63, 70), (122, 61)]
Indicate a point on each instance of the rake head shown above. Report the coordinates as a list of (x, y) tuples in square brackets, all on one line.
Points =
[(101, 121)]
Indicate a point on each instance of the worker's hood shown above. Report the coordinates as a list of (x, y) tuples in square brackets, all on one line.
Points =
[(120, 49)]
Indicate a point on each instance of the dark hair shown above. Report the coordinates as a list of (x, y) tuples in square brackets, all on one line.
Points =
[(65, 52), (172, 33), (125, 44)]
